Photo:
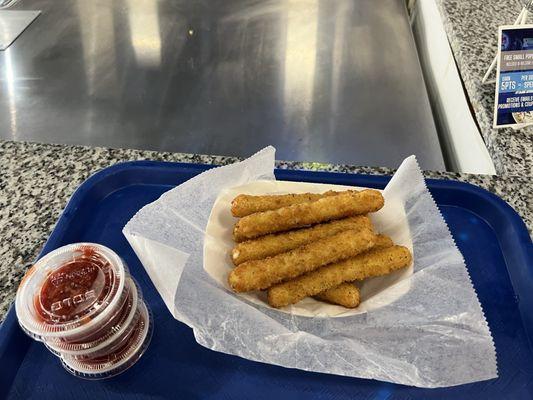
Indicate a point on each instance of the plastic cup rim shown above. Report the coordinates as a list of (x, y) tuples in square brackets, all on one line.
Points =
[(33, 326), (136, 308), (76, 368)]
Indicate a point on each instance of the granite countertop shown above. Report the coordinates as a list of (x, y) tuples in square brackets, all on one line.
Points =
[(472, 29), (36, 181)]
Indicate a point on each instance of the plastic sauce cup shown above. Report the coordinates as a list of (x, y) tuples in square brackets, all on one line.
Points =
[(82, 303)]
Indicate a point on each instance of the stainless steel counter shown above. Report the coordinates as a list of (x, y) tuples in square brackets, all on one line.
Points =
[(330, 81)]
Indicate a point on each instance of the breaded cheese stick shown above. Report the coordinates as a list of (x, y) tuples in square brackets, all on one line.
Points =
[(270, 245), (299, 215), (261, 274), (245, 204), (372, 263), (346, 294)]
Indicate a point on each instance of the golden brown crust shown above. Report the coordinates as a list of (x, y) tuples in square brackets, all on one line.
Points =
[(371, 263), (299, 215), (271, 245), (346, 295), (261, 274), (245, 204)]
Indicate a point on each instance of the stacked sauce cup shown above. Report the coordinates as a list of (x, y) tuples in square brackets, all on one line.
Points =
[(82, 303)]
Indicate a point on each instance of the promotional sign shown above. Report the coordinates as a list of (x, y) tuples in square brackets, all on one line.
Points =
[(514, 81)]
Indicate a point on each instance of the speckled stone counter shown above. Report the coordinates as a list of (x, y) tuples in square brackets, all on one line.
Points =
[(472, 27), (36, 181)]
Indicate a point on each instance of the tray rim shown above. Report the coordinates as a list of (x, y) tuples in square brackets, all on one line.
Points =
[(9, 325)]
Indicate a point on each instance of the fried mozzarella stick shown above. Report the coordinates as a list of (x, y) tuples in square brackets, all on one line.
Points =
[(245, 204), (346, 294), (372, 263), (261, 274), (271, 245), (299, 215)]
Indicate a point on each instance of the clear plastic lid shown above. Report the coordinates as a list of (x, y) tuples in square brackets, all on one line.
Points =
[(96, 331), (70, 291), (105, 340), (119, 360)]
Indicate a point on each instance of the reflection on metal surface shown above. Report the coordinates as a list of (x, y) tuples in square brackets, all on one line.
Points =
[(144, 31), (300, 57), (10, 86), (7, 3), (342, 12), (364, 57), (97, 39), (329, 81), (12, 24)]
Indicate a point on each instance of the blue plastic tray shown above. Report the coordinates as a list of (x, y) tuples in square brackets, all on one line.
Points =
[(491, 236)]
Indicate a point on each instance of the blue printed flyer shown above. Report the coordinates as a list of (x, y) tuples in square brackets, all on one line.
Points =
[(514, 80)]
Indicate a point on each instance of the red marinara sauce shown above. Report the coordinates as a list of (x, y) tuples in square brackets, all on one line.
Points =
[(128, 343), (75, 289)]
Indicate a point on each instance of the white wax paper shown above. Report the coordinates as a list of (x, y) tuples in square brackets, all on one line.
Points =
[(218, 242), (434, 334)]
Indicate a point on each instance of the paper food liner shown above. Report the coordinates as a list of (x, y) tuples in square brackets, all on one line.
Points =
[(422, 327), (219, 242)]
